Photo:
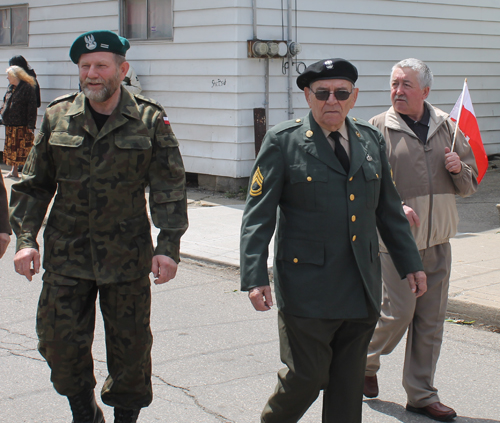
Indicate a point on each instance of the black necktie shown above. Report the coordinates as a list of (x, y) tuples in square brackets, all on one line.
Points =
[(340, 151)]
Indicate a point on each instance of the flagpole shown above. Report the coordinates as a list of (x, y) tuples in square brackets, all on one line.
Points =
[(459, 114)]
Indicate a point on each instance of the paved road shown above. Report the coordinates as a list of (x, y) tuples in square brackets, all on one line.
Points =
[(215, 358)]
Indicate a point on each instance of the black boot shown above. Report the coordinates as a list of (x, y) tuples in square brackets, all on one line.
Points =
[(126, 416), (84, 408)]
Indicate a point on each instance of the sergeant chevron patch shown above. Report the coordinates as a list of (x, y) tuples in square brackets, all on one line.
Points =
[(257, 182)]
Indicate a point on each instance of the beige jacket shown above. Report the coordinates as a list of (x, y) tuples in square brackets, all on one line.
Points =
[(420, 175)]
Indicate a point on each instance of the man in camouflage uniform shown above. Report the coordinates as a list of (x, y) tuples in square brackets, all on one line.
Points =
[(97, 151)]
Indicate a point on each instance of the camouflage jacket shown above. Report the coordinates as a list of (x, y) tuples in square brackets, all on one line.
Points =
[(98, 227)]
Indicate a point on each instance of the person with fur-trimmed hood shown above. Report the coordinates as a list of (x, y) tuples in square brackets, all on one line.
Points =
[(19, 117)]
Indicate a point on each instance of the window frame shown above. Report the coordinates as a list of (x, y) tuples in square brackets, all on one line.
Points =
[(11, 26), (148, 39)]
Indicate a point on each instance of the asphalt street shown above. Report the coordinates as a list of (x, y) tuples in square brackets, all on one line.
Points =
[(215, 358)]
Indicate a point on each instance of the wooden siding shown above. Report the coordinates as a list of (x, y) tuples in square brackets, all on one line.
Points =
[(209, 87)]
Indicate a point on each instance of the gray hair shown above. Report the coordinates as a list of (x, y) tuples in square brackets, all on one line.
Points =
[(425, 76), (119, 59), (20, 74)]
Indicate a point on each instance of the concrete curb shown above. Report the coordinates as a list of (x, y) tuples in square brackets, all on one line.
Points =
[(482, 315)]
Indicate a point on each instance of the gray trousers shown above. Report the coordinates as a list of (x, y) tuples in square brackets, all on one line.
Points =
[(424, 319), (320, 354)]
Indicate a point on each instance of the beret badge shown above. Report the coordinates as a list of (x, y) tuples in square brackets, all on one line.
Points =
[(90, 42)]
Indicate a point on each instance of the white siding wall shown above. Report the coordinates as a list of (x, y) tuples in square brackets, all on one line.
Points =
[(209, 87)]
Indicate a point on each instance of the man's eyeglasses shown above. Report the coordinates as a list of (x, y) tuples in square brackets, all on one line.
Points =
[(323, 95)]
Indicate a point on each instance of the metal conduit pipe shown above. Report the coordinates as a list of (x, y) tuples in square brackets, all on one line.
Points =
[(266, 70), (290, 64), (254, 21)]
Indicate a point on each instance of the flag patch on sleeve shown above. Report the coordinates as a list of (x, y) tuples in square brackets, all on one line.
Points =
[(165, 120), (257, 182)]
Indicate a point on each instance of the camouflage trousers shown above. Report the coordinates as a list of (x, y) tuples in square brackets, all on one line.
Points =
[(65, 327)]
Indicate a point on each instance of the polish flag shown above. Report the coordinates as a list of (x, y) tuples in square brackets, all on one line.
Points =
[(463, 112), (165, 120)]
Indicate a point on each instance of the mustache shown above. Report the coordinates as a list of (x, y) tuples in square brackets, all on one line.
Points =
[(400, 97), (93, 81)]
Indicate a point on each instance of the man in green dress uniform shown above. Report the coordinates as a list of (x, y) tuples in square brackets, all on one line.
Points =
[(329, 178)]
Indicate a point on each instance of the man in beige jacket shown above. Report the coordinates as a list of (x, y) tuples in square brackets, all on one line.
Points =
[(427, 175)]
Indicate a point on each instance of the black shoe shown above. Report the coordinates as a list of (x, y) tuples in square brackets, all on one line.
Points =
[(84, 408), (123, 415)]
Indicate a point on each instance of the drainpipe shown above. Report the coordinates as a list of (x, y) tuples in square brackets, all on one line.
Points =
[(266, 104), (254, 14), (290, 60), (266, 71)]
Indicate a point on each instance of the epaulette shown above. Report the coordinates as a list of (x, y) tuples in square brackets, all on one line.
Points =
[(364, 123), (361, 122), (63, 98), (283, 126), (148, 100)]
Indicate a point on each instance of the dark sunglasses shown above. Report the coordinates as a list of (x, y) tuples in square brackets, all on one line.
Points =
[(323, 95)]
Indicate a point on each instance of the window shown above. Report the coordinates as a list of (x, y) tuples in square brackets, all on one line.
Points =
[(147, 19), (14, 25)]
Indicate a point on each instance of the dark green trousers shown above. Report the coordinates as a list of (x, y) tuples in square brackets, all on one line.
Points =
[(321, 354), (65, 328)]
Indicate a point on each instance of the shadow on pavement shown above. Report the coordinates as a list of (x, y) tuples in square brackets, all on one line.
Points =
[(399, 412)]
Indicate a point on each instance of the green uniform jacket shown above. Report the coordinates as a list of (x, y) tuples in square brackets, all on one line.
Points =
[(327, 251), (98, 227)]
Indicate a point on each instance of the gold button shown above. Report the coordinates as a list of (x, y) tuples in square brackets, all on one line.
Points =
[(351, 197), (376, 175), (298, 120), (353, 218), (354, 238), (354, 119), (295, 260), (309, 134), (309, 178), (351, 178)]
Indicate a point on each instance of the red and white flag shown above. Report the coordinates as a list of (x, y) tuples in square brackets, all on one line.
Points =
[(463, 112)]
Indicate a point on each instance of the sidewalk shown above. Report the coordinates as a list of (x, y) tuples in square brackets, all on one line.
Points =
[(474, 294), (214, 229)]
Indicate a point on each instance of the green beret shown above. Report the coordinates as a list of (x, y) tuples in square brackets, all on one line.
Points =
[(328, 69), (94, 41)]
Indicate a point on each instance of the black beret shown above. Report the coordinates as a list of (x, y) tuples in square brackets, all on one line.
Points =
[(328, 69), (94, 41)]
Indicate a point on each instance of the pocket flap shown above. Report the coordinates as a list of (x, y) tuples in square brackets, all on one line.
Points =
[(161, 197), (370, 171), (308, 173), (63, 139), (133, 142), (300, 251), (167, 140), (61, 221)]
